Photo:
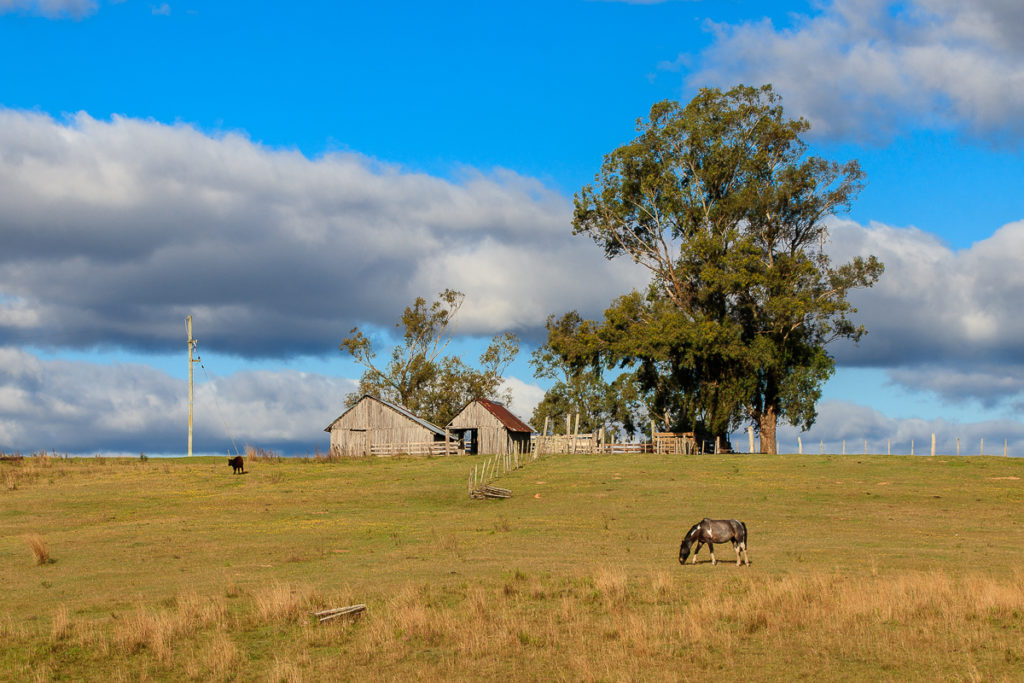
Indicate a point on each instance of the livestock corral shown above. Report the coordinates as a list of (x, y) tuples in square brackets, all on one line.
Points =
[(861, 568)]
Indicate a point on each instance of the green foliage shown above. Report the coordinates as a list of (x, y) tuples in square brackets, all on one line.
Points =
[(721, 203), (571, 357), (417, 376)]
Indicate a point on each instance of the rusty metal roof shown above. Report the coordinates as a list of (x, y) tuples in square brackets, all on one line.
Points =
[(511, 422)]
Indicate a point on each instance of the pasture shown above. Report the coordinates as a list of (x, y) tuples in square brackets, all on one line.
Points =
[(862, 568)]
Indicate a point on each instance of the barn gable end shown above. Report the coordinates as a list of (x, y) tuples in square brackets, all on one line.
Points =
[(492, 428), (374, 422)]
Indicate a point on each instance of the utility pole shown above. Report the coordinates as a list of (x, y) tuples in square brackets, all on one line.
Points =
[(191, 362)]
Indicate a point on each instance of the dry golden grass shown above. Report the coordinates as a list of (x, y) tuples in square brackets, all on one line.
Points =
[(40, 551), (192, 574), (282, 602), (604, 625), (60, 627), (254, 453)]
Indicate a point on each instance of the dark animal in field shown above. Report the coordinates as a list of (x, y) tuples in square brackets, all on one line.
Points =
[(713, 531), (237, 464)]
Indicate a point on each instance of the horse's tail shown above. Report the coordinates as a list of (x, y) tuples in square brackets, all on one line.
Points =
[(745, 537)]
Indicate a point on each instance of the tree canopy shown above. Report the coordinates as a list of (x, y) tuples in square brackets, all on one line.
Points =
[(417, 376), (720, 201), (580, 387)]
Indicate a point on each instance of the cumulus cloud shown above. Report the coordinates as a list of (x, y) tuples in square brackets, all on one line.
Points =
[(857, 428), (525, 397), (53, 9), (868, 68), (80, 407), (115, 230), (942, 320)]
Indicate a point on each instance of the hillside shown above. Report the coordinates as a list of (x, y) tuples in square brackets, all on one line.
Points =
[(862, 567)]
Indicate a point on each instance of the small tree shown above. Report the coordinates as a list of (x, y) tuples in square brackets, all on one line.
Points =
[(720, 202), (417, 376), (570, 357)]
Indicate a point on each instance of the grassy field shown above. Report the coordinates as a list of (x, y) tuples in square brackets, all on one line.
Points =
[(863, 568)]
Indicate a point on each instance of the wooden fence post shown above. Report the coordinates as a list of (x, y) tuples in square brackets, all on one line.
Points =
[(800, 445), (933, 444)]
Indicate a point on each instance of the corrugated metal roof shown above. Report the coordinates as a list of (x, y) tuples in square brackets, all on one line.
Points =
[(511, 422), (401, 410)]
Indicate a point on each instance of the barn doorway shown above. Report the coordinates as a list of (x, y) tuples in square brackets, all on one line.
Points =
[(471, 440)]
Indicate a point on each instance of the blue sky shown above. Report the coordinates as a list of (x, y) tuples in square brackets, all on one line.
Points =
[(283, 173)]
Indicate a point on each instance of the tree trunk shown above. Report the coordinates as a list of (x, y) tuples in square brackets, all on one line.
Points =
[(766, 429)]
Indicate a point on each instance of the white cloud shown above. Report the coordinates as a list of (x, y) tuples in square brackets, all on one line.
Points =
[(53, 9), (525, 397), (941, 320), (868, 68), (80, 407), (854, 424), (115, 230)]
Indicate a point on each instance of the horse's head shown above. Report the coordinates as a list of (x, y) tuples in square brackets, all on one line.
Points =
[(688, 540), (684, 551)]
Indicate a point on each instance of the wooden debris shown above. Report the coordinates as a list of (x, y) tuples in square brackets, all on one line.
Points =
[(488, 491), (351, 610)]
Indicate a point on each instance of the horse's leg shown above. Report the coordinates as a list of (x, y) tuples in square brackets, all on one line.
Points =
[(745, 558), (711, 549), (697, 550), (736, 548)]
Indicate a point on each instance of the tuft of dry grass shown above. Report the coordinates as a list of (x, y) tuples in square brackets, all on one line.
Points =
[(40, 551), (253, 453), (216, 658), (282, 602), (158, 631), (60, 626), (611, 585)]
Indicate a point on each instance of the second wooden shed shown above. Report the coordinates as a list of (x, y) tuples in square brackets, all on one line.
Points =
[(489, 427)]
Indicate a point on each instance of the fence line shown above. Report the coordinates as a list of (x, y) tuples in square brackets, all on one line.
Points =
[(419, 448), (851, 447)]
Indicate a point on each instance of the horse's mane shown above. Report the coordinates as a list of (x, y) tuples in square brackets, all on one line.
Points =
[(692, 532)]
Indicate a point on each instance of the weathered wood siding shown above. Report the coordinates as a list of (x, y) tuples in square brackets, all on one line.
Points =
[(371, 422), (492, 436)]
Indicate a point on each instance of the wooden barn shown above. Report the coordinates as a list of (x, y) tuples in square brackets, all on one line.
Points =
[(377, 427), (488, 427)]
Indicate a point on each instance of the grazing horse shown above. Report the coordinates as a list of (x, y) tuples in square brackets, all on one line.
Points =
[(237, 464), (712, 531)]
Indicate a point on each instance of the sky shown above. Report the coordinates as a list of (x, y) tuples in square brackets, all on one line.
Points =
[(285, 172)]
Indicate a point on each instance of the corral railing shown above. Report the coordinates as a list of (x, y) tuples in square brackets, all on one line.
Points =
[(419, 448), (675, 442), (643, 447), (561, 443)]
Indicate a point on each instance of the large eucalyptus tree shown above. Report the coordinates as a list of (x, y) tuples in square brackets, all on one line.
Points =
[(720, 200)]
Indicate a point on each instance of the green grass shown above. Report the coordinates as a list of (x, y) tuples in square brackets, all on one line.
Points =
[(863, 567)]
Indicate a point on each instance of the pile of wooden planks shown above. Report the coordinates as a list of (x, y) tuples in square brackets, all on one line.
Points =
[(328, 614), (489, 491)]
